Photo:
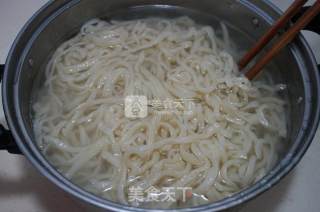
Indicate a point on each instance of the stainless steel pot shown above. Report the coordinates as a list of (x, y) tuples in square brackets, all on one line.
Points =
[(247, 19)]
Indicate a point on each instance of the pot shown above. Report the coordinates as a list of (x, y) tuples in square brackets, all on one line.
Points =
[(247, 20)]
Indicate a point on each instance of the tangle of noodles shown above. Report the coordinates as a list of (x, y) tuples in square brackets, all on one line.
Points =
[(227, 142)]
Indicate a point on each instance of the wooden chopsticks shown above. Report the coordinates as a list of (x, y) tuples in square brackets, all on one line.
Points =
[(286, 38), (264, 40)]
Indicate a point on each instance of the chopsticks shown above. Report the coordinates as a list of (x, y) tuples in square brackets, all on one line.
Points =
[(285, 39), (264, 40)]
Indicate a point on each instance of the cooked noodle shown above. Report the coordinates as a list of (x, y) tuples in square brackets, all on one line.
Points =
[(225, 142)]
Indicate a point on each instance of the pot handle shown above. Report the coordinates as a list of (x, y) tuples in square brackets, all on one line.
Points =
[(6, 139), (314, 25)]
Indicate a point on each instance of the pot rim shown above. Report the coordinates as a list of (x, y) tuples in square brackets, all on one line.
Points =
[(20, 134)]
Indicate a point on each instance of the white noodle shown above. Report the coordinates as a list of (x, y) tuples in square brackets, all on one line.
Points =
[(225, 144)]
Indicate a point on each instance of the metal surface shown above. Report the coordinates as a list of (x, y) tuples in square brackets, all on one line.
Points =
[(6, 139), (247, 20)]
